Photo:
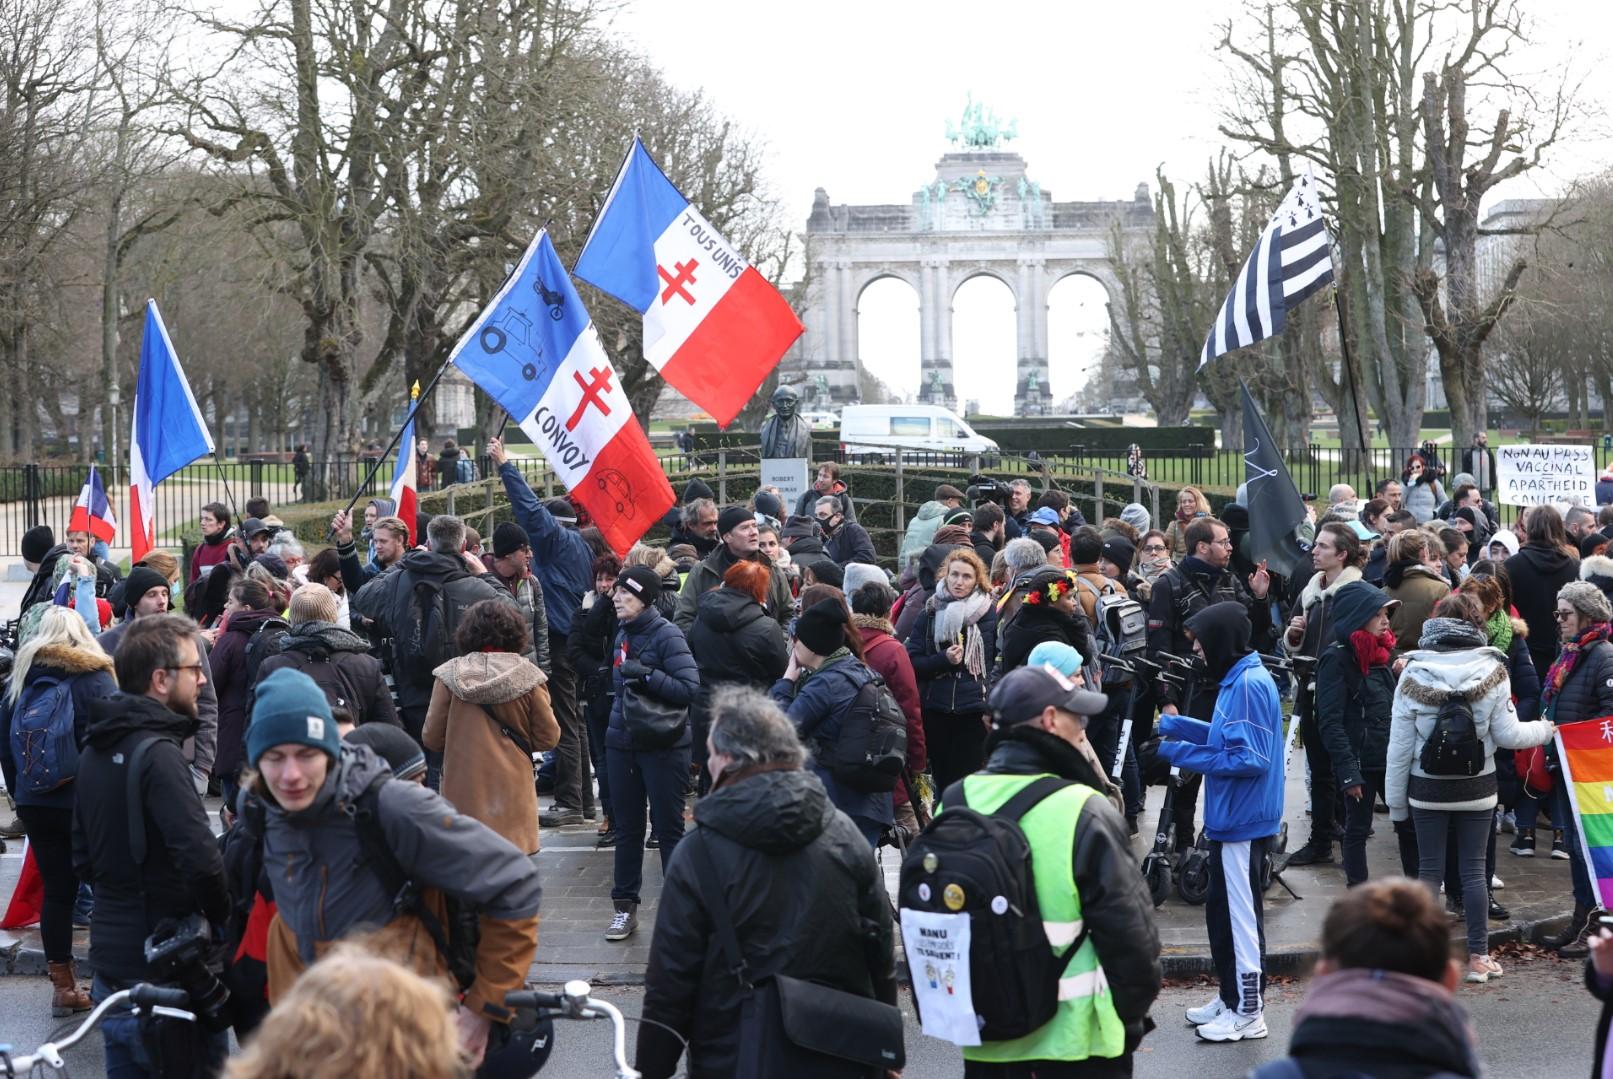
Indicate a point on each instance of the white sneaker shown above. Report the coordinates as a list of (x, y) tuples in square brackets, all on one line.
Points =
[(1496, 883), (1209, 1013), (1233, 1027)]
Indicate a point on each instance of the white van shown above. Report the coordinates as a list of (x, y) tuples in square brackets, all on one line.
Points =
[(928, 428)]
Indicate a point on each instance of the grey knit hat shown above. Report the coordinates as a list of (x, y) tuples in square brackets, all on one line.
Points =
[(1136, 516), (859, 574), (1587, 599)]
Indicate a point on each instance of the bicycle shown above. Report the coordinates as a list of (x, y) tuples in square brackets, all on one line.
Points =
[(575, 1002), (162, 1002)]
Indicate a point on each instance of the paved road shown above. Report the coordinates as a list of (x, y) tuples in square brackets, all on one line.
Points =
[(1537, 1020)]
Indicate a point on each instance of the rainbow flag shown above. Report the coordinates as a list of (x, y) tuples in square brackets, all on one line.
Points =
[(1586, 752)]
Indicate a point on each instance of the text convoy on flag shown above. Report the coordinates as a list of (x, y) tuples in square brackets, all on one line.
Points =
[(1291, 260), (713, 325), (535, 352)]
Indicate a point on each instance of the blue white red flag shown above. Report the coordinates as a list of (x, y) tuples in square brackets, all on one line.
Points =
[(93, 512), (713, 326), (535, 352), (404, 489), (169, 431)]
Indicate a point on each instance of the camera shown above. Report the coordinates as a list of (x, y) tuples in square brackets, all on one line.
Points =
[(985, 489), (176, 953)]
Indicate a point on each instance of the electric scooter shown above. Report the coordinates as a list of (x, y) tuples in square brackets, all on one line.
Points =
[(1182, 674)]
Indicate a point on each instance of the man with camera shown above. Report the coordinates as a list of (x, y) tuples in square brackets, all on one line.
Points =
[(140, 836)]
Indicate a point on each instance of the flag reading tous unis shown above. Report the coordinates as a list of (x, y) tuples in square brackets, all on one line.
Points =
[(169, 432), (535, 352), (1586, 752), (713, 325), (1290, 261)]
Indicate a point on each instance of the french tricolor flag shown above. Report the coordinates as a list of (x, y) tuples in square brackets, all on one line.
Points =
[(169, 431), (403, 493), (713, 326), (535, 352), (93, 512)]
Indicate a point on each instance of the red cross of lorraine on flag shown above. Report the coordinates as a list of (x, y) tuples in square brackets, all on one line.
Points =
[(590, 394), (675, 285)]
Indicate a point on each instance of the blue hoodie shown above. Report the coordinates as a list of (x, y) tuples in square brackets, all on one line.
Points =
[(1240, 751)]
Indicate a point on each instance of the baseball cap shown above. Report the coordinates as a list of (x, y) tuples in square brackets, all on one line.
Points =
[(1022, 694), (251, 527)]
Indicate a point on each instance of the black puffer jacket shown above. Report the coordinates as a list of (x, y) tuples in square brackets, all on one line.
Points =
[(1588, 691), (1537, 573), (943, 685), (182, 873), (673, 677), (1036, 623), (1114, 901), (1352, 709), (339, 661), (806, 900), (734, 642), (228, 664)]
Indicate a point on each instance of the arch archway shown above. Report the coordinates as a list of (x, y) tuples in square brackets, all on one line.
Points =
[(1077, 333), (888, 336), (985, 343)]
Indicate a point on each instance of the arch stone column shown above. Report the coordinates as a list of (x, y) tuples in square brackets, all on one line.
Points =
[(1032, 394)]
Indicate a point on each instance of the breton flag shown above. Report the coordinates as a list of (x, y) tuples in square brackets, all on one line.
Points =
[(535, 352), (713, 326), (404, 487), (1290, 262), (169, 432), (93, 512)]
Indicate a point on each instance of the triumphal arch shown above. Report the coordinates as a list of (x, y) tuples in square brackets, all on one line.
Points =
[(981, 213)]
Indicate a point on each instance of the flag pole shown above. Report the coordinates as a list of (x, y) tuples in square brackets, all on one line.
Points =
[(1348, 380), (398, 434), (226, 481)]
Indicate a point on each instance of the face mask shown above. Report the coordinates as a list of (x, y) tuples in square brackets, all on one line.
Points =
[(176, 592)]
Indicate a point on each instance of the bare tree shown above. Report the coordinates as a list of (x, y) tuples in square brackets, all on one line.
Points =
[(1459, 315), (1526, 369)]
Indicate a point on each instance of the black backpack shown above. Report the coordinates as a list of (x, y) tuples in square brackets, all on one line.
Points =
[(871, 751), (428, 641), (456, 940), (1455, 748), (267, 640), (1013, 973)]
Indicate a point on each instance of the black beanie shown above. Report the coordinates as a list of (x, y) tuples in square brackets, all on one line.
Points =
[(36, 543), (1120, 551), (508, 538), (822, 627), (141, 579), (642, 582), (731, 518)]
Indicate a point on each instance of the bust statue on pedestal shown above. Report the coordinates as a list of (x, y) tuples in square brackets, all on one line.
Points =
[(786, 433)]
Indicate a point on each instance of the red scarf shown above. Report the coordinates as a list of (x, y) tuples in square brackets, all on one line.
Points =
[(1372, 651)]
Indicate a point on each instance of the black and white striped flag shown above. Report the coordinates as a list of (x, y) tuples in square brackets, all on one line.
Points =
[(1290, 262)]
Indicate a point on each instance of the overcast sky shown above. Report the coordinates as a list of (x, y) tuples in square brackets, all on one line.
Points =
[(854, 98)]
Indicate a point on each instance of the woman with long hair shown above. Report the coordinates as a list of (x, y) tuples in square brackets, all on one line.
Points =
[(953, 645), (1415, 580), (1190, 504), (251, 607), (1423, 491), (1544, 563), (1454, 665), (60, 654)]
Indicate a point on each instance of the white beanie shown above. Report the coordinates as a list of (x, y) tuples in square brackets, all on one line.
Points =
[(859, 574)]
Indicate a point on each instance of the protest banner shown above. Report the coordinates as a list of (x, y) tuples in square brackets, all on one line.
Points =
[(1531, 475), (1586, 752)]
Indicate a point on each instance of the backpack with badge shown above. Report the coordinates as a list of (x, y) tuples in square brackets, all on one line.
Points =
[(871, 751), (1119, 629), (978, 865), (1454, 749), (42, 741)]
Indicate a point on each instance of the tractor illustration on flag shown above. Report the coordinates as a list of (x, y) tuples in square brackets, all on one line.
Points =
[(513, 331)]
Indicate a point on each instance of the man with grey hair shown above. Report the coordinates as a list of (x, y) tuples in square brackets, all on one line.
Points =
[(698, 526), (848, 541), (289, 550), (403, 602), (1018, 510), (1022, 558), (1340, 492), (777, 862)]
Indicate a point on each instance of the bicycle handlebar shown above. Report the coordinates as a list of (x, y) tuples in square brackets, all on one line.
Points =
[(574, 1002), (160, 1000)]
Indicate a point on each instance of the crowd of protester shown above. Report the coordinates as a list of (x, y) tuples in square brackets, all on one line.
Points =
[(382, 721)]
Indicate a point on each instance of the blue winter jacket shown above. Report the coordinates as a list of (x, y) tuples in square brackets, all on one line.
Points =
[(659, 645), (89, 672), (560, 556), (1239, 753), (815, 704)]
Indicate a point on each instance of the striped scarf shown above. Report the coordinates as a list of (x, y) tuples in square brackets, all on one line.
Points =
[(1564, 664)]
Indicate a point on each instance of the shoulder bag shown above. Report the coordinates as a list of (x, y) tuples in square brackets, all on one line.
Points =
[(795, 1029)]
